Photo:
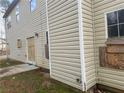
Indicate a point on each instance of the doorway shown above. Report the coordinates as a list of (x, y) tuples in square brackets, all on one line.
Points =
[(31, 50)]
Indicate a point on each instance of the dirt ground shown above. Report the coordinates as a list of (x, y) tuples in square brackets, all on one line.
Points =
[(34, 81)]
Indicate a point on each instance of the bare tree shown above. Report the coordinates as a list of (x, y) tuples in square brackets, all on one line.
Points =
[(4, 3), (3, 7)]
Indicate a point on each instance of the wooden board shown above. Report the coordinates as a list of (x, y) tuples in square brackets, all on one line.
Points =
[(111, 58), (121, 61), (102, 56), (31, 49), (115, 49)]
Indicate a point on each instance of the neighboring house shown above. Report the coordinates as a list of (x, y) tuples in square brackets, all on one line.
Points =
[(65, 36)]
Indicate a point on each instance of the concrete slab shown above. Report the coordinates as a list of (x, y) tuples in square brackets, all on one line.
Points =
[(3, 57), (16, 69)]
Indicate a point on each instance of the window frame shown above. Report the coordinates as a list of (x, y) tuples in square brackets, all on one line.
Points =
[(30, 5), (106, 23), (17, 13)]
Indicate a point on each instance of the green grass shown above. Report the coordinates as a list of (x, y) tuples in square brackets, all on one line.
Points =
[(32, 82), (8, 62)]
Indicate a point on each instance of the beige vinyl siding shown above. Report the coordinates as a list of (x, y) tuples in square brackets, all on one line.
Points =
[(41, 59), (29, 24), (88, 42), (64, 41), (109, 77)]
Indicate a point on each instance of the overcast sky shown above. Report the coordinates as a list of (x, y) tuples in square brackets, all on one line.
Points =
[(2, 30), (10, 0)]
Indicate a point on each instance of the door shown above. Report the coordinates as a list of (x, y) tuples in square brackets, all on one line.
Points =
[(31, 49)]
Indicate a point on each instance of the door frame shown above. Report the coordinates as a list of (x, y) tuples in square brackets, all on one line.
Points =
[(28, 61)]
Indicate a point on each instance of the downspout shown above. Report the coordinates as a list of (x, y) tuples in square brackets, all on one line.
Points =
[(81, 41), (48, 38)]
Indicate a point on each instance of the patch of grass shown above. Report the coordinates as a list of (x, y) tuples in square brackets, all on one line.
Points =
[(8, 62), (104, 91), (32, 82)]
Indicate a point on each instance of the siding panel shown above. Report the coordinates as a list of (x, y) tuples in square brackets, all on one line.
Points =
[(29, 24), (64, 40), (109, 77), (88, 42)]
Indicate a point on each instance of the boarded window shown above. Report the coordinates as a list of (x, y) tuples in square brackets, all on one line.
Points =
[(19, 43), (115, 23), (112, 56)]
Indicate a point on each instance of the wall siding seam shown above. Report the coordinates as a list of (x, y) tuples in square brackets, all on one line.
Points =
[(93, 18)]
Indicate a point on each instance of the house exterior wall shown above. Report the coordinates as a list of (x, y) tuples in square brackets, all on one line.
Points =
[(109, 77), (64, 41), (88, 33), (63, 22), (63, 18), (29, 24)]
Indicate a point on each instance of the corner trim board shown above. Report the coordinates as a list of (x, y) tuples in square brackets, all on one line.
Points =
[(48, 39), (81, 41)]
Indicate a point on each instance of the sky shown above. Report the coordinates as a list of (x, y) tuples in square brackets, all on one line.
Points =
[(10, 0), (2, 28)]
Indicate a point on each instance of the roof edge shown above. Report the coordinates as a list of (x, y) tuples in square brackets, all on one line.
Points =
[(10, 8)]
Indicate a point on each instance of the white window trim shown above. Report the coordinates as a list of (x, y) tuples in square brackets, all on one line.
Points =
[(17, 20), (17, 14), (105, 18), (106, 26)]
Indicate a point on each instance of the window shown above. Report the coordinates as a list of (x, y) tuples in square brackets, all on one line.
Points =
[(47, 38), (19, 43), (17, 13), (32, 5), (47, 47), (115, 23), (8, 22)]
